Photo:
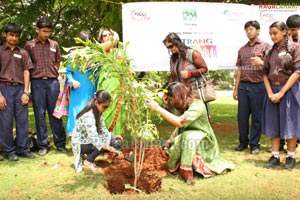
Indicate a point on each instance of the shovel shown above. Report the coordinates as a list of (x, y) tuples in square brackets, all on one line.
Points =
[(130, 158)]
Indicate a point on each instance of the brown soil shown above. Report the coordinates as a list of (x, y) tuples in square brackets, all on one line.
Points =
[(121, 172)]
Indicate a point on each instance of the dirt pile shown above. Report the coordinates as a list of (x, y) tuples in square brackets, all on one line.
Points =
[(121, 172)]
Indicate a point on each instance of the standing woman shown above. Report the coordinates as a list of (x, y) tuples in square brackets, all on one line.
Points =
[(90, 134), (186, 64), (113, 115), (281, 113), (82, 88)]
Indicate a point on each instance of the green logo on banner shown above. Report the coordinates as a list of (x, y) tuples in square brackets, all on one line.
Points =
[(190, 15)]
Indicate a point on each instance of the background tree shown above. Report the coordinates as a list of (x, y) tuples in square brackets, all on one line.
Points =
[(68, 16), (72, 16)]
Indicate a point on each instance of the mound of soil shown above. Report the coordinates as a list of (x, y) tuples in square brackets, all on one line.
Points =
[(121, 172)]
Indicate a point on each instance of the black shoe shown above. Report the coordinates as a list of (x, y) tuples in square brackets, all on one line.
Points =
[(26, 155), (290, 163), (254, 150), (240, 148), (12, 157), (1, 158), (43, 152), (272, 162), (62, 149)]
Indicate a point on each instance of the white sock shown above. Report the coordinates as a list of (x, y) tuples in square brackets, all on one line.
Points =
[(275, 154), (291, 154)]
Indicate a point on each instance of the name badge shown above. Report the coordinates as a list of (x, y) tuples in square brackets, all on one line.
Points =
[(17, 55), (282, 53), (52, 49)]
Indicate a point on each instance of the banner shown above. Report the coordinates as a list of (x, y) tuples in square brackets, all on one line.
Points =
[(215, 29)]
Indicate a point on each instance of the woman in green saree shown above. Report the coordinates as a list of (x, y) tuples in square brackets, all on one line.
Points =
[(193, 146), (113, 115)]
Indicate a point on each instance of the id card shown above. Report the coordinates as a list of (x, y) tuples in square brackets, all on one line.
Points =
[(17, 55), (282, 53)]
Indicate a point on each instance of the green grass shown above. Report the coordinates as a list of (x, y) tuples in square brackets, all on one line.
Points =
[(53, 177)]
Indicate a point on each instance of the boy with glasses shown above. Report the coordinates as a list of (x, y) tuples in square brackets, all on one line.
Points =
[(249, 89), (45, 55)]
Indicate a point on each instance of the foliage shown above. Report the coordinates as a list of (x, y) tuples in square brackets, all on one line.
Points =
[(68, 16), (223, 78), (115, 65), (72, 16)]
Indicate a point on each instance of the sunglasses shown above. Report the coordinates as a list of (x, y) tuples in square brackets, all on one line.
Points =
[(170, 46), (106, 34), (170, 87), (105, 107)]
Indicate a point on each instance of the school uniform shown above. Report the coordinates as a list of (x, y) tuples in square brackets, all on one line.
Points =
[(45, 90), (251, 94), (281, 120), (12, 65)]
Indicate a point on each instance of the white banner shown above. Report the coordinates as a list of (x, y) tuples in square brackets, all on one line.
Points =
[(215, 29)]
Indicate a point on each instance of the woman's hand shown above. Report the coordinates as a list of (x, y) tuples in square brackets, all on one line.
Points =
[(151, 104), (170, 142), (119, 137), (115, 35), (120, 155), (275, 98), (184, 74), (75, 84)]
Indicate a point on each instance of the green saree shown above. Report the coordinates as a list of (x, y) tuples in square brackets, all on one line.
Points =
[(196, 147), (113, 115)]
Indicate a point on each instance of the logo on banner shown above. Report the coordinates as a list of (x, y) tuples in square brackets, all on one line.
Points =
[(139, 15), (233, 15), (278, 7), (267, 17), (189, 15)]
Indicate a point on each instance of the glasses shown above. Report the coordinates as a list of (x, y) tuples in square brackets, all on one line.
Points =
[(170, 46), (170, 88), (106, 34), (105, 107)]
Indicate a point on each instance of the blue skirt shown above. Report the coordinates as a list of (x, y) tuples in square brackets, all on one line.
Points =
[(282, 120)]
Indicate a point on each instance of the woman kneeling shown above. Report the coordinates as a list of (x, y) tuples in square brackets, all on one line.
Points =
[(90, 135), (193, 145)]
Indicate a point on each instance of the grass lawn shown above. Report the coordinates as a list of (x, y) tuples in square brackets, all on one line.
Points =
[(53, 176)]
